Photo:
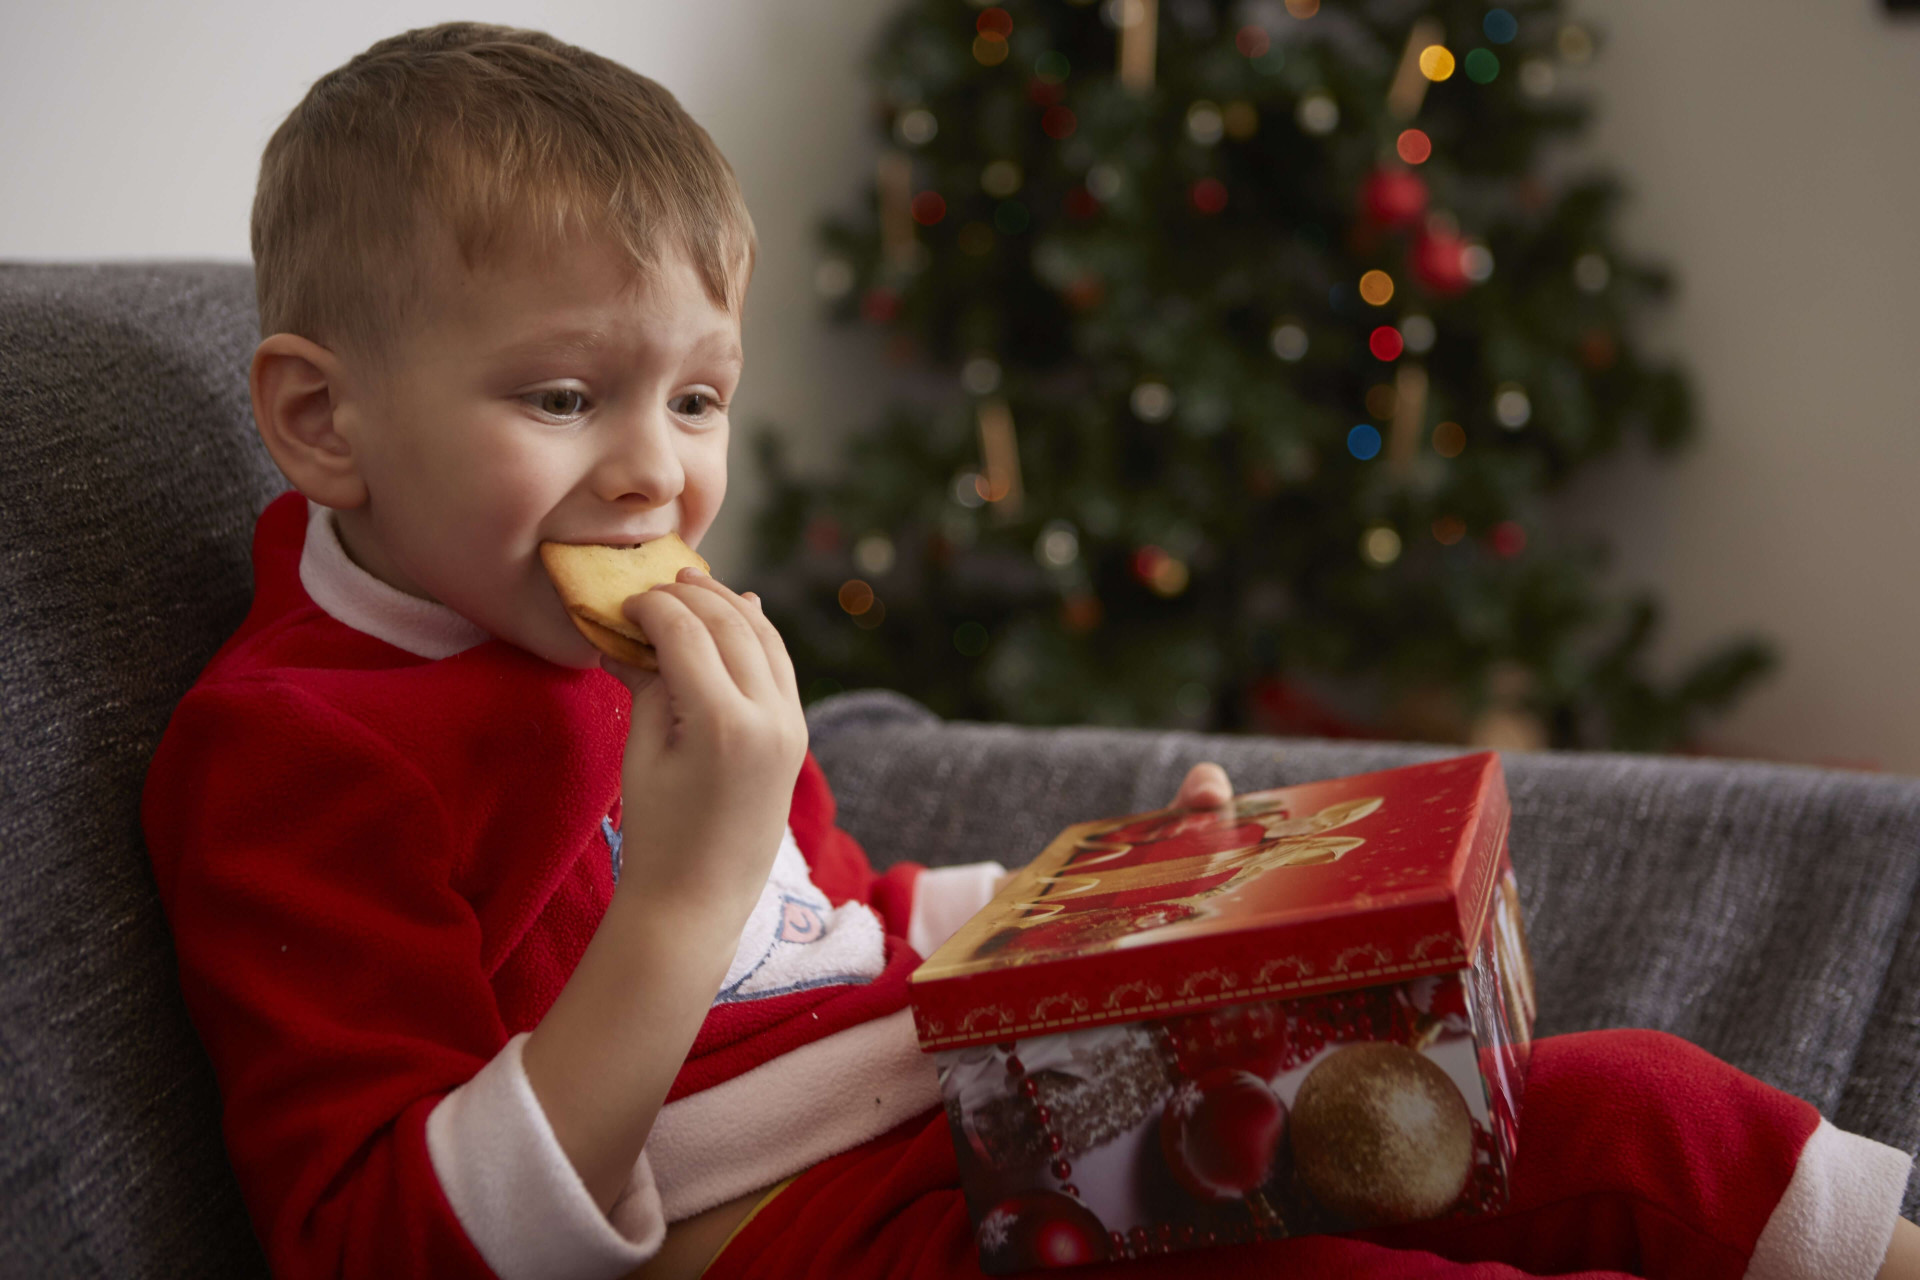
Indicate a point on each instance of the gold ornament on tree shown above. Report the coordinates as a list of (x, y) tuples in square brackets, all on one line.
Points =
[(895, 181), (1000, 452), (1409, 417), (1139, 27), (1508, 724), (1409, 87)]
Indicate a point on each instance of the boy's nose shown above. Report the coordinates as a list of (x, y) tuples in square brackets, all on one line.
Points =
[(640, 462)]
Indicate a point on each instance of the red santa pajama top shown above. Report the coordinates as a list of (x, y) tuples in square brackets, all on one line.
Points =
[(383, 840)]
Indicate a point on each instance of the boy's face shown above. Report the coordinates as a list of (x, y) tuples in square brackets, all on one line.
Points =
[(562, 399)]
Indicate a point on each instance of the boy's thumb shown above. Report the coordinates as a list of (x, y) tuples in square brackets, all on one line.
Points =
[(652, 709)]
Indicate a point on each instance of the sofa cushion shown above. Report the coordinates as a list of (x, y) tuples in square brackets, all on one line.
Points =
[(126, 512)]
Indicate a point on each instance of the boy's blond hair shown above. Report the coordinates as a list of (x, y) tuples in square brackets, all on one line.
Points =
[(502, 139)]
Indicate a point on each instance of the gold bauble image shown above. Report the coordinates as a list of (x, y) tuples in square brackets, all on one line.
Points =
[(1381, 1135)]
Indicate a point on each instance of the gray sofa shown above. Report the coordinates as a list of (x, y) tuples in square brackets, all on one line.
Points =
[(1768, 913)]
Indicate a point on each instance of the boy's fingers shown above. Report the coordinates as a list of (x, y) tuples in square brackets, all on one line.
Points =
[(1205, 787), (778, 659), (779, 664), (725, 617), (690, 663)]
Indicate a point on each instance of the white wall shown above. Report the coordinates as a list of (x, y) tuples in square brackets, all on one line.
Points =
[(1770, 145), (1773, 151)]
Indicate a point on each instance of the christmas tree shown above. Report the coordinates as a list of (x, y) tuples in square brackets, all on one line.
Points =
[(1259, 338)]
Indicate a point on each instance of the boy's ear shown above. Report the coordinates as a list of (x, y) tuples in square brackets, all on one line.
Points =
[(297, 385)]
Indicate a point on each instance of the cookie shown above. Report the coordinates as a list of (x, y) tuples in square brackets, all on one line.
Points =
[(594, 581)]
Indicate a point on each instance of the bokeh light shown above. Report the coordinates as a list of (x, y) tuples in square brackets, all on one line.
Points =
[(1511, 406), (980, 375), (1152, 402), (1104, 181), (1386, 343), (1380, 546), (1476, 261), (1001, 178), (1318, 114), (1537, 79), (1448, 530), (1483, 66), (1363, 442), (1414, 146), (1252, 41), (856, 596), (1052, 67), (916, 127), (1436, 62), (1501, 27), (1303, 8), (1576, 44), (1204, 124), (1059, 123), (1381, 400), (1449, 438), (1288, 340), (989, 51), (966, 489), (929, 207), (970, 638), (1209, 195), (1419, 333), (1058, 544), (1508, 539), (1242, 119), (874, 553), (995, 23), (1376, 287)]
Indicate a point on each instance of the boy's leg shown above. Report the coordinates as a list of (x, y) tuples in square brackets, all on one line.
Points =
[(1641, 1152)]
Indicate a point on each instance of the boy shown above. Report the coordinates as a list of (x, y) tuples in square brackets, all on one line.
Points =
[(505, 963)]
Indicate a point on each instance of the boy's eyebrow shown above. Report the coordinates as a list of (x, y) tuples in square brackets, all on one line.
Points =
[(589, 341)]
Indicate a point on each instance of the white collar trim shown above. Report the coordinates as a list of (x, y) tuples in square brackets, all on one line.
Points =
[(355, 597)]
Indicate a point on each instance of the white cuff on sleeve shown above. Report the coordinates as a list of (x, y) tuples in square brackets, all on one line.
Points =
[(516, 1193), (1835, 1219), (944, 898)]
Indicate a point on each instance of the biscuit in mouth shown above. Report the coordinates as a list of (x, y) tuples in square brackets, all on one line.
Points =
[(594, 581)]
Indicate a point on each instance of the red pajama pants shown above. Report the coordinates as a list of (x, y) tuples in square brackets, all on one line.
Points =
[(1639, 1154)]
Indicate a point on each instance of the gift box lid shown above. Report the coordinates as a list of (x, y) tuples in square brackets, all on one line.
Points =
[(1343, 883)]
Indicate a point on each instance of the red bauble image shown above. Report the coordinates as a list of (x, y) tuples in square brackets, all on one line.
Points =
[(1220, 1132), (1393, 197), (1041, 1229), (1437, 263)]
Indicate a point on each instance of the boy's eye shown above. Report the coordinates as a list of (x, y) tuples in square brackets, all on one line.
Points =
[(696, 404), (560, 402)]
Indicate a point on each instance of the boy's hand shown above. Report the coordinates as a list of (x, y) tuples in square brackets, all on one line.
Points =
[(715, 745), (1205, 787)]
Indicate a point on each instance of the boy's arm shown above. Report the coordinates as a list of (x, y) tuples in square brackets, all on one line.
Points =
[(714, 743), (331, 970)]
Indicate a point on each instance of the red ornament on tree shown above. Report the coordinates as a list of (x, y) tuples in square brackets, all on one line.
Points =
[(1041, 1229), (1437, 263), (1393, 197), (1220, 1132)]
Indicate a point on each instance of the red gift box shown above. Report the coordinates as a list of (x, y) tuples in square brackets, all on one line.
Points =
[(1307, 1011)]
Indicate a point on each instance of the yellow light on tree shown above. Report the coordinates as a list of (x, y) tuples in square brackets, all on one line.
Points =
[(1436, 63)]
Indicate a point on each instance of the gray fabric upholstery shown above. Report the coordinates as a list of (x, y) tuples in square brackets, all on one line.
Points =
[(1767, 913), (127, 502)]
